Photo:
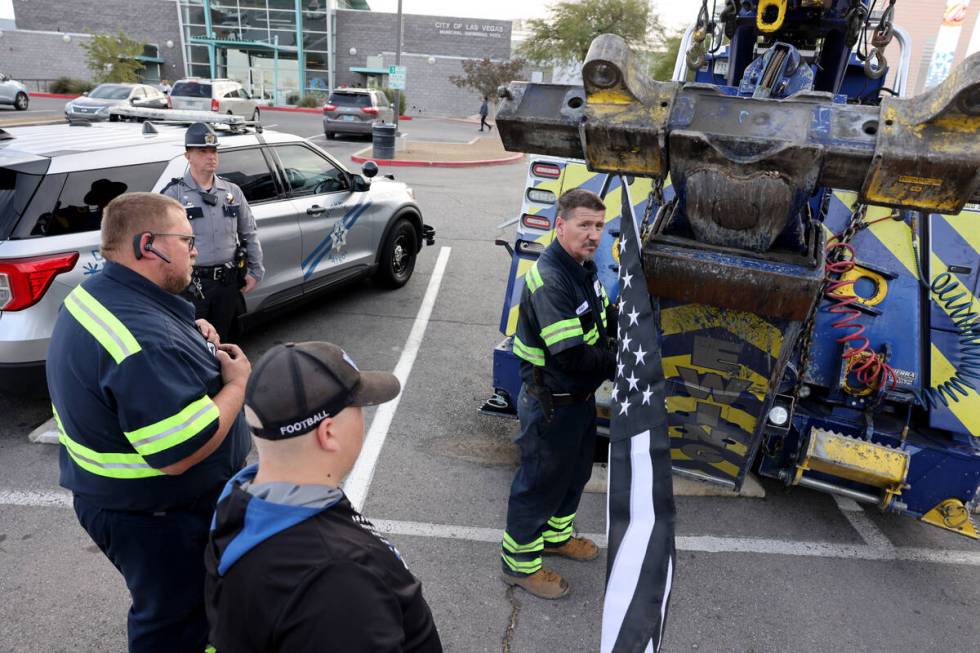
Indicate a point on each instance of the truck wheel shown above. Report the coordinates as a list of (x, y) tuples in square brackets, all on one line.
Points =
[(397, 260), (255, 115), (21, 102)]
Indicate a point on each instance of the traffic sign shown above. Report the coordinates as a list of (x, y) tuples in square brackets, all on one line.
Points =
[(396, 77)]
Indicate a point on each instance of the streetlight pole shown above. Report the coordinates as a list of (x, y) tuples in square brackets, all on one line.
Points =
[(398, 61)]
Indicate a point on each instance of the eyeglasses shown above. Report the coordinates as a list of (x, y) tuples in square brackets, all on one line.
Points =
[(188, 239)]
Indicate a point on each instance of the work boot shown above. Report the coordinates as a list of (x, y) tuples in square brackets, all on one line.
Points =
[(575, 548), (544, 583)]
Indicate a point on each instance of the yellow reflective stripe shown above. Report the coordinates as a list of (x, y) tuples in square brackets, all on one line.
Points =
[(592, 336), (210, 649), (174, 430), (101, 324), (562, 330), (557, 537), (111, 465), (561, 522), (533, 278), (521, 567), (532, 355), (510, 545)]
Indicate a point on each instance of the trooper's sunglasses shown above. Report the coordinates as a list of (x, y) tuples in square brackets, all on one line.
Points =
[(188, 239)]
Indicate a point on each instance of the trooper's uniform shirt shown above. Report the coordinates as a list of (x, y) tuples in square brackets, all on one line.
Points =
[(220, 227)]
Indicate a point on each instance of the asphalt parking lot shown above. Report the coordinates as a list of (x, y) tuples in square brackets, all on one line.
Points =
[(796, 571)]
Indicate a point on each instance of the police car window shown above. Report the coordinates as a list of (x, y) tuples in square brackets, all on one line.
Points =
[(78, 207), (308, 173), (248, 169)]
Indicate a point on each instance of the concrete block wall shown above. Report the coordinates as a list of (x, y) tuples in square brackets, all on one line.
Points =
[(447, 40), (153, 21)]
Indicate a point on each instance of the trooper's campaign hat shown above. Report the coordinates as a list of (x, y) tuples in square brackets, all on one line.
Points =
[(200, 134)]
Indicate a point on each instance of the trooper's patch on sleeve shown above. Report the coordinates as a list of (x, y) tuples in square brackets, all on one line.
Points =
[(583, 308)]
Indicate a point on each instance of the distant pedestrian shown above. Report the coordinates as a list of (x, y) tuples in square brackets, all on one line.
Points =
[(484, 111), (164, 86)]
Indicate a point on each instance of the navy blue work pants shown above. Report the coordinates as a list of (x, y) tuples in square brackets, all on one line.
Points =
[(161, 556), (556, 463)]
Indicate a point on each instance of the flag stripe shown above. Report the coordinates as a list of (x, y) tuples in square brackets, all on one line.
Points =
[(631, 551)]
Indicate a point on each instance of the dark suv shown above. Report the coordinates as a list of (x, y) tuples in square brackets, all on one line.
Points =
[(354, 111)]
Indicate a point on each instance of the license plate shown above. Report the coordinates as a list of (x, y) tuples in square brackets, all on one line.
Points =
[(348, 118)]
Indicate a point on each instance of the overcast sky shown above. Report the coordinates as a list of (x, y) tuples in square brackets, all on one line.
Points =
[(676, 13)]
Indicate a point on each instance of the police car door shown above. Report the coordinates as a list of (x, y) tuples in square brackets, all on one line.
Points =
[(275, 220), (335, 243)]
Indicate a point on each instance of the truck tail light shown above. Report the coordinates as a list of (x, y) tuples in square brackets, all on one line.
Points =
[(327, 108), (23, 281), (371, 111), (535, 221), (549, 170), (215, 104)]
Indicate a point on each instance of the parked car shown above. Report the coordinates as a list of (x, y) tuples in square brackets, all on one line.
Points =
[(320, 224), (13, 92), (218, 95), (354, 111), (95, 104)]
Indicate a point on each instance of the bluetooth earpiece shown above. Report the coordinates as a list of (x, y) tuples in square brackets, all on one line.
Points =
[(148, 247)]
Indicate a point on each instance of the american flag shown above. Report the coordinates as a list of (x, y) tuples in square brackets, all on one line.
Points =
[(640, 501)]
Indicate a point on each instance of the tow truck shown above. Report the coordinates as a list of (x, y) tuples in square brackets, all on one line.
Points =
[(811, 236)]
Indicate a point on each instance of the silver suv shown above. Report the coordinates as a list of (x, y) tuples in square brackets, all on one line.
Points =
[(13, 92), (319, 223), (354, 111), (218, 95)]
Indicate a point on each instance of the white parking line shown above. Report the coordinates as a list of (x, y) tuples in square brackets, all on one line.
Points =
[(860, 522), (700, 543), (712, 544), (359, 481)]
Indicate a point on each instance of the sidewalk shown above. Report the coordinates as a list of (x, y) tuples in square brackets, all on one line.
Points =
[(481, 151)]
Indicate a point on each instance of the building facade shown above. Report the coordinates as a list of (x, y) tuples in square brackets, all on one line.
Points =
[(279, 49)]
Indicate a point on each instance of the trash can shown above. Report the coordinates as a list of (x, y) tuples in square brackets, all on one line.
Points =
[(383, 137)]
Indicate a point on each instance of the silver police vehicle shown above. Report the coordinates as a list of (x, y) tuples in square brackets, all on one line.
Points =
[(319, 223)]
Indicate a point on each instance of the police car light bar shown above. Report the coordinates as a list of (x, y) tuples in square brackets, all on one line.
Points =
[(184, 117)]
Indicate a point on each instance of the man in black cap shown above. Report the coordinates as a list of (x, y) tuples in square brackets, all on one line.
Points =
[(292, 566), (229, 254)]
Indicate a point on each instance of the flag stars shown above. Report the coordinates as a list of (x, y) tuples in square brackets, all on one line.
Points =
[(640, 355), (624, 408), (646, 396), (627, 278), (626, 342), (619, 368), (632, 380), (633, 317), (622, 244), (614, 395)]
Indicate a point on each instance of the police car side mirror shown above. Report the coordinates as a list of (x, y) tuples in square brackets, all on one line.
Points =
[(369, 169), (132, 101), (359, 184)]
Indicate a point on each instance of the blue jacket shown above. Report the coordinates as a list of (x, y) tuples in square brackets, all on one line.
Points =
[(131, 382)]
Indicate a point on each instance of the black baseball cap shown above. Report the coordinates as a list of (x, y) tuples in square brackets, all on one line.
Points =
[(295, 386), (200, 134)]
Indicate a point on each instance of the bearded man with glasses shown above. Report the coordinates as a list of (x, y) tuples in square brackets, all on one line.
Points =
[(148, 404)]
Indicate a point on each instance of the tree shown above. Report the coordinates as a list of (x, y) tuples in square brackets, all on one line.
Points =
[(572, 25), (663, 58), (485, 76), (113, 58)]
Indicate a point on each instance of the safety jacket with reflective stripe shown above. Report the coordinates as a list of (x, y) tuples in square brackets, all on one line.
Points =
[(131, 380), (563, 305)]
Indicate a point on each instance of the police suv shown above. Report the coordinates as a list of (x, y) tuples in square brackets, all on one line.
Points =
[(319, 223)]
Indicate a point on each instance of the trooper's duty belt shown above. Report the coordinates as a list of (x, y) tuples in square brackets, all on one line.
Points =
[(214, 272)]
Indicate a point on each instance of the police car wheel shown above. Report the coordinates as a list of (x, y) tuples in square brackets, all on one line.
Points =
[(397, 260), (21, 102)]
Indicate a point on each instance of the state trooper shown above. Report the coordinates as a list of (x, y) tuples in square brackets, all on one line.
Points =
[(562, 339), (229, 259)]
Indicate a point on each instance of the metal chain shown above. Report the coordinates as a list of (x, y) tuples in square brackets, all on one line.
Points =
[(656, 196)]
